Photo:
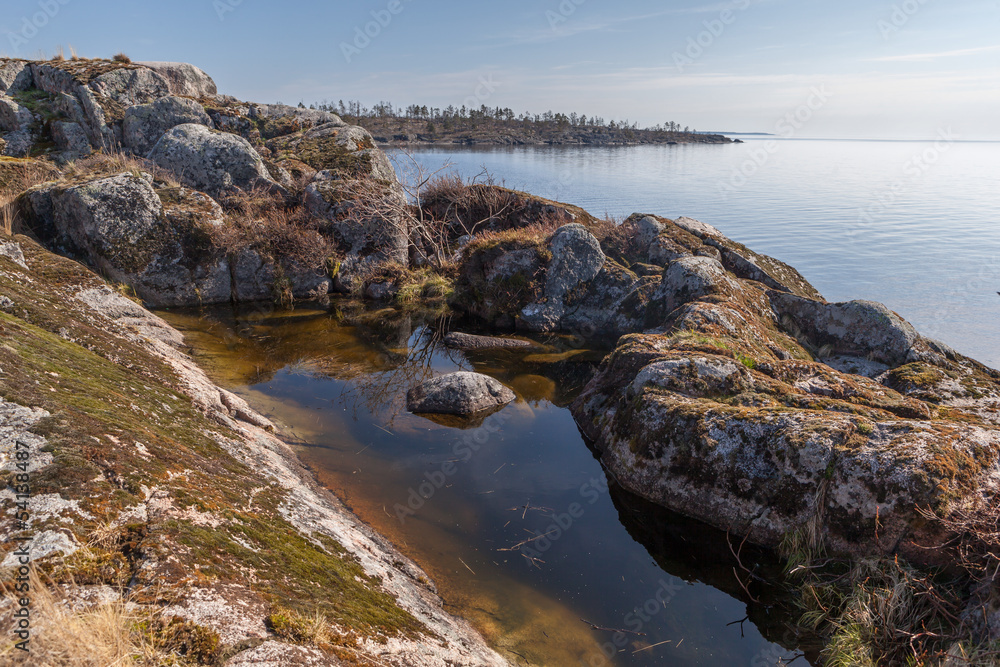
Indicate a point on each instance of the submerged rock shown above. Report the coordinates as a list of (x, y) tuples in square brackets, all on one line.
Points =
[(461, 393), (464, 341)]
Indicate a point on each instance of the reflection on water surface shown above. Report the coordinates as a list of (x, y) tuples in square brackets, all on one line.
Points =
[(512, 516)]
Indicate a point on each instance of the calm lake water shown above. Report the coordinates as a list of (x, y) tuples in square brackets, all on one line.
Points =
[(334, 377), (915, 225)]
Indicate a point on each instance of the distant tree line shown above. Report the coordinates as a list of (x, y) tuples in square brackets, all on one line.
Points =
[(454, 118)]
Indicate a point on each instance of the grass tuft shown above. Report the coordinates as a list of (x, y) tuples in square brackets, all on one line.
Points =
[(106, 633)]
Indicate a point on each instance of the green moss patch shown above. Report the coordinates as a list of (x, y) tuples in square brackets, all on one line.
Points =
[(118, 426)]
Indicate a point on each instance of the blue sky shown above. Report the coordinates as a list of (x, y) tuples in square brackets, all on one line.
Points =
[(806, 68)]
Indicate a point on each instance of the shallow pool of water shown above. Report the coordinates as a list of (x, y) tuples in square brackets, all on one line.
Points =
[(514, 518)]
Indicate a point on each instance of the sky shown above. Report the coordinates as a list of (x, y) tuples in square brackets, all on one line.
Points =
[(798, 68)]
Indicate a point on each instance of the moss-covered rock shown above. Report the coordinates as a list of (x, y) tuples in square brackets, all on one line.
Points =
[(152, 486), (761, 410)]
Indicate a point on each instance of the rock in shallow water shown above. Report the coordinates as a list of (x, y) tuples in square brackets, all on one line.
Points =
[(464, 341), (461, 393)]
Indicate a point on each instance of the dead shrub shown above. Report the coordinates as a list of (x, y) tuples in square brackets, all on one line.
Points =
[(468, 208), (266, 223), (618, 238), (121, 58)]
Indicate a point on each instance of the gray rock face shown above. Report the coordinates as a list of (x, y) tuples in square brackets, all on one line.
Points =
[(691, 278), (15, 76), (576, 259), (146, 123), (757, 409), (130, 86), (13, 252), (648, 229), (183, 79), (52, 79), (524, 262), (209, 161), (80, 102), (461, 393), (16, 121), (855, 328), (107, 217), (12, 115), (296, 118), (71, 140)]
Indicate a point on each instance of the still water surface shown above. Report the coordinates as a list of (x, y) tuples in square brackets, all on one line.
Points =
[(334, 379)]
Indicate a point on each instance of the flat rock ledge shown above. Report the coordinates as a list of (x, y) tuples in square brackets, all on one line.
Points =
[(461, 393)]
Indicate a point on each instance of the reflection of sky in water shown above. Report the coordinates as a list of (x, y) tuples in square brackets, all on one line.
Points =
[(370, 452)]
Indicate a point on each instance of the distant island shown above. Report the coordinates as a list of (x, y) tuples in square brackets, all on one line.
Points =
[(420, 124)]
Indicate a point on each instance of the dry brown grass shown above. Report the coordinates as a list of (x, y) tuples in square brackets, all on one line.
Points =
[(110, 163), (99, 635), (536, 234), (16, 176), (7, 219), (121, 58), (266, 223), (618, 238)]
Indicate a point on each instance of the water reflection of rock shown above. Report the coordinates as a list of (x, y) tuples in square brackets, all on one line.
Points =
[(693, 551), (379, 352)]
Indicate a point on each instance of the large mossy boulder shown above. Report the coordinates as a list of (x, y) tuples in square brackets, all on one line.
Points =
[(210, 161), (144, 124), (156, 239), (166, 242), (762, 411), (183, 79)]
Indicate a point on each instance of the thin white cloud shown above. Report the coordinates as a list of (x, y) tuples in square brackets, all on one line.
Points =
[(570, 25), (923, 57)]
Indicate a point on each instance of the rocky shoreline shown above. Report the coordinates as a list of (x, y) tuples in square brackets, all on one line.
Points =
[(735, 394), (405, 133)]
